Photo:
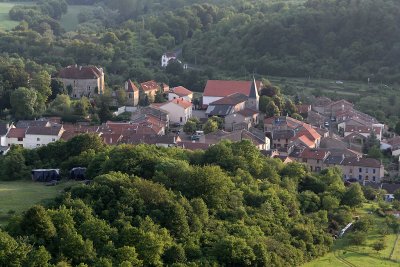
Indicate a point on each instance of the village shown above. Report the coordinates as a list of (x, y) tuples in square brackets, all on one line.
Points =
[(332, 133)]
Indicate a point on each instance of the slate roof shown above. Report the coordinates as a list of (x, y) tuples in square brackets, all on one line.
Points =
[(223, 88), (28, 123), (232, 99), (3, 128), (219, 110), (282, 134), (333, 160), (80, 72), (52, 130), (193, 145)]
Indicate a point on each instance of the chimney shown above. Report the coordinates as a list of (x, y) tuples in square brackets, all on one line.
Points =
[(80, 67)]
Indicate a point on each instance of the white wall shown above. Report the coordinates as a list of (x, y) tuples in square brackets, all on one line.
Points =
[(177, 112), (172, 96), (13, 141), (31, 141), (209, 99)]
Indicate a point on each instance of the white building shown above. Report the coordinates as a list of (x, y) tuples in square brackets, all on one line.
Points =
[(180, 110), (166, 57), (40, 136), (15, 136), (180, 92)]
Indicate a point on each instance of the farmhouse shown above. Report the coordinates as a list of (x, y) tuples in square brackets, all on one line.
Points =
[(82, 80)]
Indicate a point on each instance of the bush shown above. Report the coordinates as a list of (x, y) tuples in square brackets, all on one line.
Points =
[(357, 238)]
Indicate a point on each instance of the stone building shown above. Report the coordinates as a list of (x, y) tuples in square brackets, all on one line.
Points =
[(82, 80)]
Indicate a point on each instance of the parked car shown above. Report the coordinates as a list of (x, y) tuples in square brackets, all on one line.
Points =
[(195, 137)]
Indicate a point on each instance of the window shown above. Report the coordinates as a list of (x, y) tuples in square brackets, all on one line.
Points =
[(37, 144), (317, 161), (359, 169), (304, 160), (366, 170), (373, 178), (359, 177), (366, 178), (53, 139), (181, 119), (351, 171), (20, 139), (279, 140), (374, 170), (38, 139), (311, 168)]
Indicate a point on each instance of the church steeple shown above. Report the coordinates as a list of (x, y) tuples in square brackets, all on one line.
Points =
[(253, 96)]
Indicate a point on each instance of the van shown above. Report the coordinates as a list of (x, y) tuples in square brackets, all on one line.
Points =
[(199, 133)]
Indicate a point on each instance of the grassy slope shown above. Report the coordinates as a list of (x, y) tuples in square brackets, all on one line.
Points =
[(21, 195), (70, 20), (343, 254), (5, 22)]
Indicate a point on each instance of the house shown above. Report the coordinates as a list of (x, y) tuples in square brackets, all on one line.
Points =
[(242, 120), (82, 80), (193, 145), (217, 89), (4, 129), (227, 105), (160, 141), (40, 136), (166, 57), (165, 88), (394, 145), (320, 104), (33, 123), (236, 136), (180, 110), (281, 138), (303, 109), (314, 158), (338, 106), (362, 169), (132, 93), (15, 136), (150, 88), (355, 141), (316, 119), (151, 111), (364, 131), (180, 92)]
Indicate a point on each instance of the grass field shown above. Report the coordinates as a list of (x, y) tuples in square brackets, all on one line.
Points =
[(70, 20), (343, 254), (18, 196), (5, 22)]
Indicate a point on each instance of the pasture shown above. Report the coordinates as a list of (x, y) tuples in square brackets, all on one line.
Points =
[(18, 196)]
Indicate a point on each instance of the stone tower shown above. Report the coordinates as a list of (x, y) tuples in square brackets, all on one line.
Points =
[(254, 97)]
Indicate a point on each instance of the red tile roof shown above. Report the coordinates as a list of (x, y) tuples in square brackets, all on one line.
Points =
[(80, 72), (16, 133), (132, 87), (111, 138), (181, 102), (247, 112), (362, 162), (150, 86), (317, 154), (181, 91), (223, 88), (193, 145), (362, 129)]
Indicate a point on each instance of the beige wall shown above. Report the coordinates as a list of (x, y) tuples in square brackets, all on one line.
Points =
[(85, 87), (366, 174)]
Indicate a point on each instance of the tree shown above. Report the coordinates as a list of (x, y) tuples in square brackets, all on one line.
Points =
[(190, 127), (41, 83), (271, 109), (357, 238), (159, 98), (379, 245), (23, 102), (397, 128), (61, 105), (38, 223), (121, 96), (82, 106), (264, 100), (57, 87), (174, 67), (210, 126), (397, 194), (13, 165), (375, 153), (354, 196)]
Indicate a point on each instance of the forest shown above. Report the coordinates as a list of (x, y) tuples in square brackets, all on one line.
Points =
[(150, 206)]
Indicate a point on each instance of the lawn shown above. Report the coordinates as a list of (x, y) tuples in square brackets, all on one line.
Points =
[(18, 196), (70, 21), (343, 254), (5, 22)]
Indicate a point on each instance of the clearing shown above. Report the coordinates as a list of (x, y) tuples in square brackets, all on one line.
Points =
[(5, 22), (18, 196), (343, 254), (70, 21)]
